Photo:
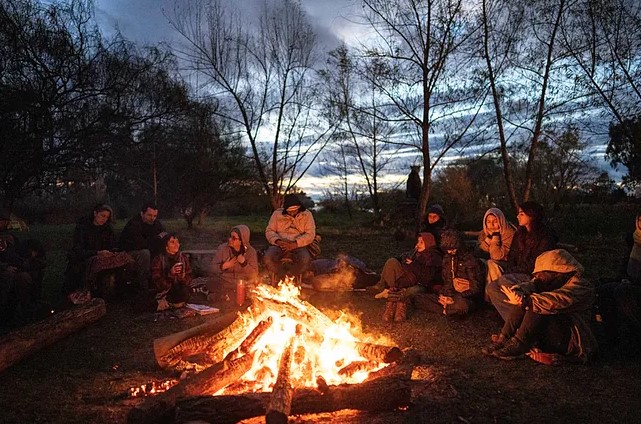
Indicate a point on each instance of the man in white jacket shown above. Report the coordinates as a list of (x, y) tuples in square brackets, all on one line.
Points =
[(289, 231)]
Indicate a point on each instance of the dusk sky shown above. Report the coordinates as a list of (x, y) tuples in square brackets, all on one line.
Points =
[(142, 21)]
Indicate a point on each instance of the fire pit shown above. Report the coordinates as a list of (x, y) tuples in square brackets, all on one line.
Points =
[(278, 357)]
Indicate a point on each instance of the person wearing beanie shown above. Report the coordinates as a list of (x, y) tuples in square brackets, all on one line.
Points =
[(171, 275), (236, 259), (434, 223), (290, 232), (532, 238), (462, 280), (413, 273), (552, 311)]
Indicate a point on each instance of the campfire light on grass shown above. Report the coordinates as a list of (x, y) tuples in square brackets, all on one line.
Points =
[(323, 348)]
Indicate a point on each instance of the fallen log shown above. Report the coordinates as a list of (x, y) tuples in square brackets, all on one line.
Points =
[(161, 408), (250, 341), (162, 345), (384, 394), (26, 340)]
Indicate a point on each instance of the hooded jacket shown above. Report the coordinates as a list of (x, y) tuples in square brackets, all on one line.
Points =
[(425, 268), (300, 228), (497, 251), (575, 298), (247, 270)]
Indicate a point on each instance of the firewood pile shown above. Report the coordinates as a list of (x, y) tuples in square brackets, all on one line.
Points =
[(279, 357)]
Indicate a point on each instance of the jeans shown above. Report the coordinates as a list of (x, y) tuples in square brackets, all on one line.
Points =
[(552, 332), (497, 297), (301, 260)]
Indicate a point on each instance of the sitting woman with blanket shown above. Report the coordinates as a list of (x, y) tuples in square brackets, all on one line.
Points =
[(92, 263)]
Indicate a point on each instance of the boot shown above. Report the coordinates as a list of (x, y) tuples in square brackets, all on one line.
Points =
[(401, 311), (390, 311)]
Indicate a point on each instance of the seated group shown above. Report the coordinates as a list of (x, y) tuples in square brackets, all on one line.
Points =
[(536, 288), (148, 258)]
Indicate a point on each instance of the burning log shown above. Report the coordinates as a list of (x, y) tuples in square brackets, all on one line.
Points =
[(160, 408), (351, 369), (31, 338), (214, 344), (250, 341), (379, 353), (162, 345), (384, 394), (280, 403)]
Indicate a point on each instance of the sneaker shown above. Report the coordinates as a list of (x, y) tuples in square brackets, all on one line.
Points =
[(513, 349), (498, 341), (382, 295)]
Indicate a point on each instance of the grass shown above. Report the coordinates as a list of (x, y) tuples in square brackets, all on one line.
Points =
[(83, 378)]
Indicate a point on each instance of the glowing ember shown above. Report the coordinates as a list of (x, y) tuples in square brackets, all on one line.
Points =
[(323, 348), (152, 388)]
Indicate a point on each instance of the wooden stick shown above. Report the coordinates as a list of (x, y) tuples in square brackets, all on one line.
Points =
[(251, 339), (24, 341)]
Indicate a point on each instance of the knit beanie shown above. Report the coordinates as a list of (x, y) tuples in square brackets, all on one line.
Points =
[(437, 209), (291, 200), (450, 240)]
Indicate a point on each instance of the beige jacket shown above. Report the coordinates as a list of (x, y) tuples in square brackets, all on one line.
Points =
[(300, 228), (498, 251)]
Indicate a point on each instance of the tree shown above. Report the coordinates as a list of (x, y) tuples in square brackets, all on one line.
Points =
[(624, 148), (353, 101), (432, 86), (526, 70), (262, 76)]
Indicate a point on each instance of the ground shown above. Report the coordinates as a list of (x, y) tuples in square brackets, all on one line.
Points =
[(85, 377)]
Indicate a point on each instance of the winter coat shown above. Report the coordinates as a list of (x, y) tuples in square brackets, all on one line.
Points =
[(138, 235), (526, 247), (248, 270), (497, 249), (425, 269), (161, 265), (300, 228), (88, 239), (574, 298), (462, 265)]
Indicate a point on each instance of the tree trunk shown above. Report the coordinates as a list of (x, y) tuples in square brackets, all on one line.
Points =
[(384, 394), (27, 340)]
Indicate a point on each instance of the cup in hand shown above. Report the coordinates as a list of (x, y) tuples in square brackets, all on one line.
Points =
[(178, 267)]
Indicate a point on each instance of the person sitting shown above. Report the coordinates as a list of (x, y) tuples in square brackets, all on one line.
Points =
[(550, 312), (435, 222), (291, 229), (620, 301), (171, 275), (495, 240), (532, 238), (462, 280), (234, 260), (22, 265), (141, 238), (92, 253), (410, 275)]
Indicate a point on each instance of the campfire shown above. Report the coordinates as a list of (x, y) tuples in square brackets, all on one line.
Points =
[(279, 356)]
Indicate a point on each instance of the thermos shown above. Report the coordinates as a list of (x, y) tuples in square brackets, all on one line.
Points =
[(240, 292)]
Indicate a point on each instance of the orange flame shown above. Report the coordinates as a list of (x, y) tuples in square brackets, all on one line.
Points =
[(152, 388), (323, 348)]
